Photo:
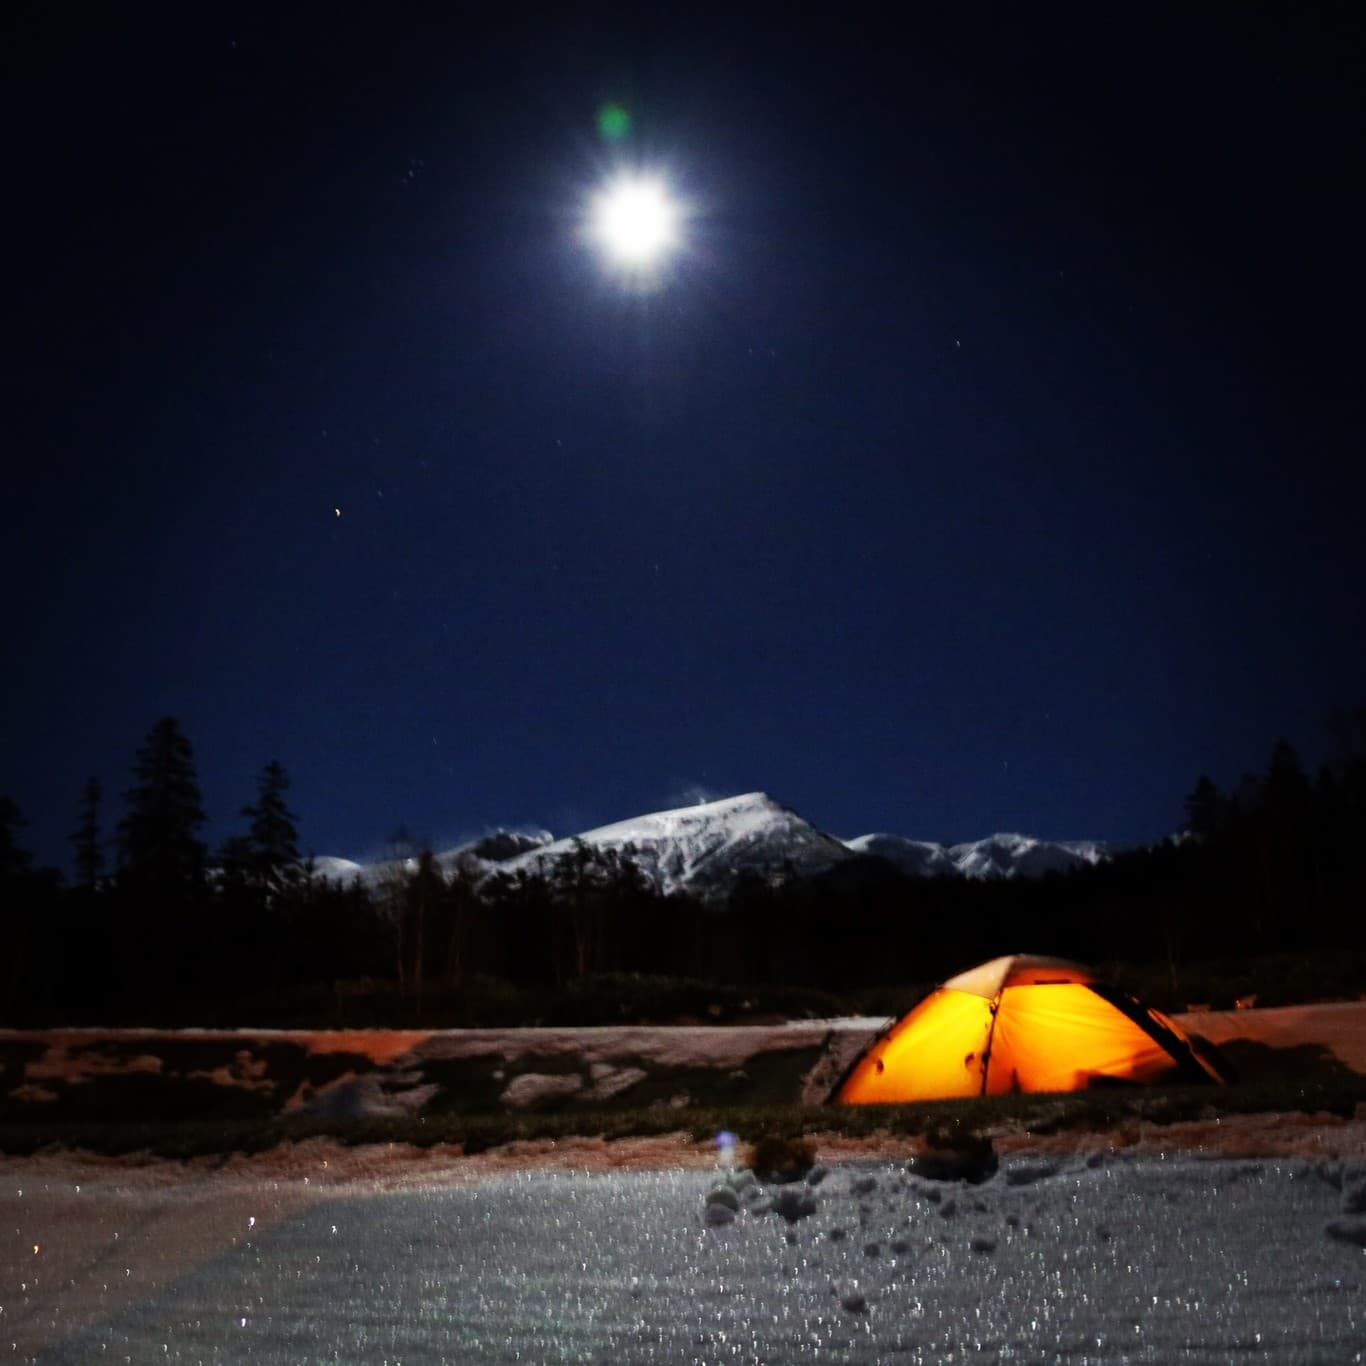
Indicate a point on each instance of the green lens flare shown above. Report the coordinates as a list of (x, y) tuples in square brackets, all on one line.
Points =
[(613, 122)]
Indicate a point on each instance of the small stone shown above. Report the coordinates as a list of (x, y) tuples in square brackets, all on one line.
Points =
[(783, 1160), (719, 1214), (1029, 1171), (983, 1244), (794, 1202), (1349, 1230), (1354, 1192), (854, 1302), (969, 1158)]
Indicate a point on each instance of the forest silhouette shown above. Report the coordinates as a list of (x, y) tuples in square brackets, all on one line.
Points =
[(1259, 895)]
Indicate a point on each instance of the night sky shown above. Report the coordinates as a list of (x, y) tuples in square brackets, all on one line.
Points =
[(987, 458)]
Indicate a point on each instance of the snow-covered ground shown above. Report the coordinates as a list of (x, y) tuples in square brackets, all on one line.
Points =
[(1117, 1249)]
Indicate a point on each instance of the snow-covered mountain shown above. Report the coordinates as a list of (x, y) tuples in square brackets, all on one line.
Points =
[(705, 849), (915, 858), (997, 856)]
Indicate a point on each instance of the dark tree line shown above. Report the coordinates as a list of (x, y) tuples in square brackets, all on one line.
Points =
[(167, 931)]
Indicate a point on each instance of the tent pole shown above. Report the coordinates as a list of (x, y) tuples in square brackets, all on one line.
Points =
[(991, 1035)]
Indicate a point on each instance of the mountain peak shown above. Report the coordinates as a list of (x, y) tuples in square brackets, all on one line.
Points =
[(706, 848)]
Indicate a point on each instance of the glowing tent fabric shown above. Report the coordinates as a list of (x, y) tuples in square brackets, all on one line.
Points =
[(1023, 1023)]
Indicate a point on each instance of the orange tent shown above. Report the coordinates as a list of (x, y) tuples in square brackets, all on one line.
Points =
[(1024, 1023)]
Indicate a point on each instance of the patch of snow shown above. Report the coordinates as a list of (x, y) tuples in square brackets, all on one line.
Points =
[(609, 1081), (531, 1088), (334, 869), (364, 1097), (1339, 1026), (32, 1093), (713, 1046), (73, 1059), (232, 1075)]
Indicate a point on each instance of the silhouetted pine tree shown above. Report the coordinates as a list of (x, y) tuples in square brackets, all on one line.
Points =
[(423, 894), (234, 867), (590, 887), (458, 927), (86, 836), (1286, 848), (160, 853), (15, 927), (32, 952), (1287, 789), (15, 863), (272, 841), (1207, 809), (522, 919)]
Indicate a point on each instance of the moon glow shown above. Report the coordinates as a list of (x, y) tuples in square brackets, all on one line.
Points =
[(635, 222)]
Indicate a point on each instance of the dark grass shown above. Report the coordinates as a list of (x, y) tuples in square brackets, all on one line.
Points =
[(1039, 1114), (644, 999)]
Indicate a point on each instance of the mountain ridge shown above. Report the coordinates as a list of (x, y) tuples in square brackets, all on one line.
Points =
[(705, 850)]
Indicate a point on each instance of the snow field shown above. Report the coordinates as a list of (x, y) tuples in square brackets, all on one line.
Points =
[(1101, 1258), (1091, 1258)]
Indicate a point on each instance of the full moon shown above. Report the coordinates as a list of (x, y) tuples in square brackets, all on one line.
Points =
[(635, 222)]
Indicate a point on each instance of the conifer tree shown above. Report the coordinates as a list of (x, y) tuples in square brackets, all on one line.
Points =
[(86, 836), (272, 841), (235, 867), (1287, 789), (461, 907), (15, 863), (160, 853), (28, 903), (1207, 808)]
